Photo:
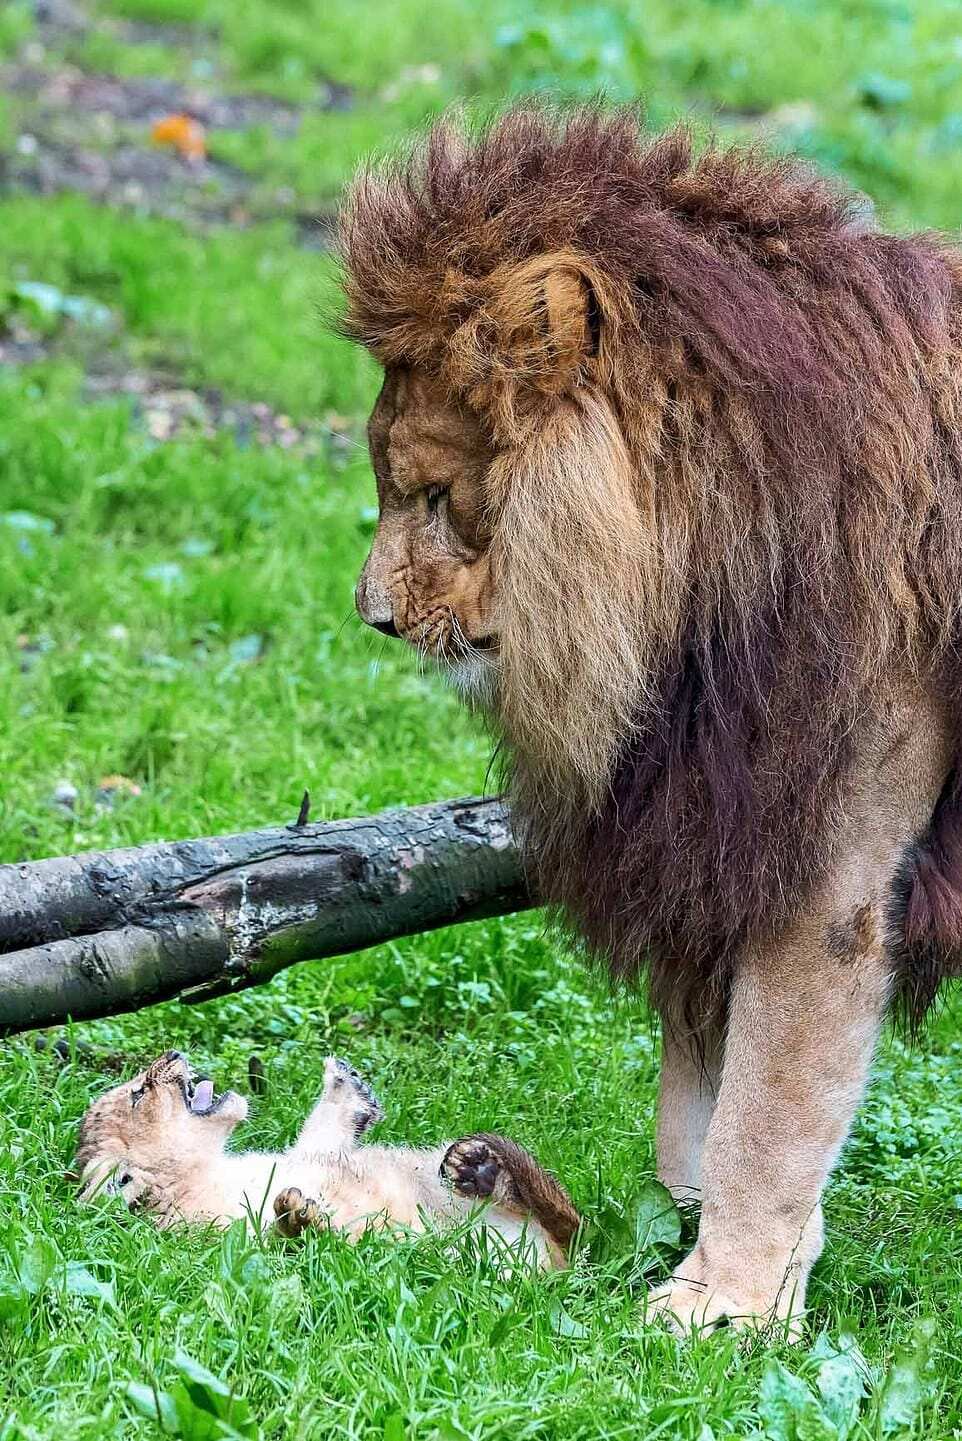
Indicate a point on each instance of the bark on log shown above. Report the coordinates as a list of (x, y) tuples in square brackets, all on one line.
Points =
[(92, 935)]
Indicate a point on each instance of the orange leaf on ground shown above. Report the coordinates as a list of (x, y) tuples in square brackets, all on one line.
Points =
[(183, 133), (121, 785)]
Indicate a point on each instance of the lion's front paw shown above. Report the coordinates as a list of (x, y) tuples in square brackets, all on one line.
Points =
[(295, 1213), (344, 1086), (699, 1300)]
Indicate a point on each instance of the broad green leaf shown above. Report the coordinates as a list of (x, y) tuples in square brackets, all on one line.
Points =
[(788, 1409), (78, 1281), (841, 1375), (255, 1271), (13, 1300), (195, 1422), (903, 1390), (207, 1408), (35, 1264), (157, 1405), (657, 1220), (394, 1427), (610, 1232), (199, 1375), (286, 1299), (649, 1221), (564, 1325), (901, 1395), (445, 1430)]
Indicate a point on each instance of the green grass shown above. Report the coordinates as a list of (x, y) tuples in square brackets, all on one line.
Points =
[(181, 613), (880, 81)]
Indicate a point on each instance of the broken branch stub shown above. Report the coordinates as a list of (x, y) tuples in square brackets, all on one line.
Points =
[(86, 936)]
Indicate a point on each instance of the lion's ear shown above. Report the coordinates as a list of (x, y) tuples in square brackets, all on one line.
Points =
[(531, 333), (547, 314)]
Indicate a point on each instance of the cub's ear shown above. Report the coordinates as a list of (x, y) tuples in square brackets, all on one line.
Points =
[(547, 313)]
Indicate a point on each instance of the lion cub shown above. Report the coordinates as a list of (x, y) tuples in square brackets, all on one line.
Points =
[(159, 1141)]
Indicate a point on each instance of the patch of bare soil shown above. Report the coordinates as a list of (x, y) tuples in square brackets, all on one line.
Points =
[(167, 409), (92, 133), (21, 349), (163, 404), (67, 90), (155, 181)]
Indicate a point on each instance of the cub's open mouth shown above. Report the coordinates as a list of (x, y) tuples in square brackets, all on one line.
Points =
[(199, 1097)]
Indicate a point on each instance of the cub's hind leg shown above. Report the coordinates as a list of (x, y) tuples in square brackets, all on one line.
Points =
[(347, 1108), (488, 1167)]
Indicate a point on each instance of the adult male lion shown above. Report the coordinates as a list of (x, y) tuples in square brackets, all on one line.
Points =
[(669, 460)]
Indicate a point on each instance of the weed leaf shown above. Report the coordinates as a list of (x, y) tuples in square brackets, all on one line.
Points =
[(78, 1281), (156, 1405), (657, 1220), (564, 1325), (904, 1388), (394, 1427), (788, 1409), (840, 1377)]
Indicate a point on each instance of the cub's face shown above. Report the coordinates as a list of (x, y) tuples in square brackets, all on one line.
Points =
[(428, 577), (134, 1136)]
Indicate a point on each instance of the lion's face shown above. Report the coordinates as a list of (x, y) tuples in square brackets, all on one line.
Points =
[(136, 1134), (429, 577)]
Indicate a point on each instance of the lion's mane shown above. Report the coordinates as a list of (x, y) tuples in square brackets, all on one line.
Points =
[(728, 504)]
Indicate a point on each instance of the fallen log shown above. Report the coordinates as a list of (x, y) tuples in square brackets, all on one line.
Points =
[(96, 934)]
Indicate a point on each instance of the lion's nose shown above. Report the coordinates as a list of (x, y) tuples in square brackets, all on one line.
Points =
[(374, 604)]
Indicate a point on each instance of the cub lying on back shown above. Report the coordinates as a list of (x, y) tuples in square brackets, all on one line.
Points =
[(159, 1141)]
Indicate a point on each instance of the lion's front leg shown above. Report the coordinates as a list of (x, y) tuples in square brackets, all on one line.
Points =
[(690, 1079), (803, 1021)]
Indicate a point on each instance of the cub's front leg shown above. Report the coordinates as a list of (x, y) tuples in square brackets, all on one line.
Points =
[(346, 1109), (295, 1213)]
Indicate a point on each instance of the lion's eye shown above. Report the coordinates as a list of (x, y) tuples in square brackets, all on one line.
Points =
[(434, 495)]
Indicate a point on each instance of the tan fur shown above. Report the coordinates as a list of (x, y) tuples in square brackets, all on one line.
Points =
[(142, 1140), (577, 559)]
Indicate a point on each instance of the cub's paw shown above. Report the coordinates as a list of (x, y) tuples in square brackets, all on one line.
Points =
[(296, 1213), (473, 1168), (343, 1086)]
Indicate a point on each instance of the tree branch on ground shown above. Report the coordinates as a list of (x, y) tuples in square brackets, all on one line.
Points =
[(96, 934)]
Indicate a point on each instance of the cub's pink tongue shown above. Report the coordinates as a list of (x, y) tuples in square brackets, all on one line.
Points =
[(203, 1096)]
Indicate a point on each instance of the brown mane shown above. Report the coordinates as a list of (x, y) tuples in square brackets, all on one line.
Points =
[(728, 504)]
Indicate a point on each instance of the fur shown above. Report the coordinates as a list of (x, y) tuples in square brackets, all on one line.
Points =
[(727, 510)]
